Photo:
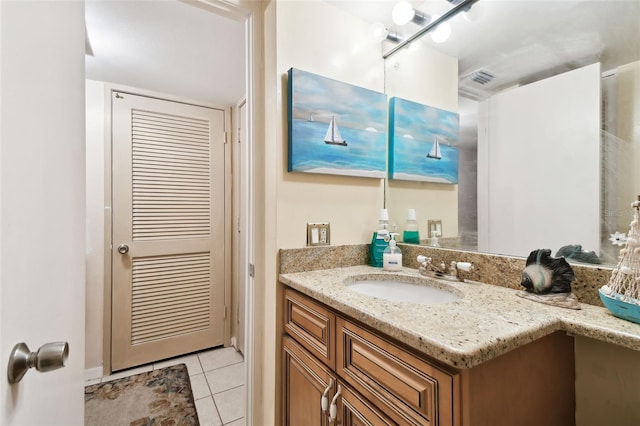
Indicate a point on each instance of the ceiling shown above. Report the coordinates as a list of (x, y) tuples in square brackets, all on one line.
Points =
[(521, 41), (172, 47), (169, 47)]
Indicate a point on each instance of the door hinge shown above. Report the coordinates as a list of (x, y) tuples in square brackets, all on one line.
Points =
[(226, 137), (225, 312), (252, 270)]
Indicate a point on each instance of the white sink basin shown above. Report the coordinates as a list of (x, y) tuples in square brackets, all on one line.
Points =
[(396, 290)]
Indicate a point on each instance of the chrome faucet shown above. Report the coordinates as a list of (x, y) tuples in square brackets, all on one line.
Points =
[(452, 273)]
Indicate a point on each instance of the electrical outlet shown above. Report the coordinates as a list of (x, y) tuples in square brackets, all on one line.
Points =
[(318, 234), (435, 228)]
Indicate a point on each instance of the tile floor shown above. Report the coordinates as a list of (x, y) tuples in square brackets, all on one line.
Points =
[(217, 381)]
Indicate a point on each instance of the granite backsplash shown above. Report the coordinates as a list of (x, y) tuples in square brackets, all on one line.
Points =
[(498, 270)]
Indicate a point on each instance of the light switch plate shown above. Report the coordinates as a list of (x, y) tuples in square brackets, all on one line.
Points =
[(318, 234)]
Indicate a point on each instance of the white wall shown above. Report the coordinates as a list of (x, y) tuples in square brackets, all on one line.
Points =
[(428, 77), (539, 165)]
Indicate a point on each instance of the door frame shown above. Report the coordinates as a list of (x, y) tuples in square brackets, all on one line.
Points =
[(251, 14)]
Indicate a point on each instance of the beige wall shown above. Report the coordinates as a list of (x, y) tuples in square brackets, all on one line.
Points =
[(320, 38), (607, 384), (628, 133)]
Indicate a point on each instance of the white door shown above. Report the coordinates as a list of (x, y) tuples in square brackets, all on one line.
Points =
[(168, 229), (42, 205)]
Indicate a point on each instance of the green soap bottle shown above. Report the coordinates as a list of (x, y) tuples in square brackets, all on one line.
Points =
[(411, 235), (380, 240)]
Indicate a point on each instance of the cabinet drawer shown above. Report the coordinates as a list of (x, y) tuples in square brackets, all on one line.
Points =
[(311, 325), (407, 388)]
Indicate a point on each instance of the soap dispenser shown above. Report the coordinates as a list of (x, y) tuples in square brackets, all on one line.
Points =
[(392, 256)]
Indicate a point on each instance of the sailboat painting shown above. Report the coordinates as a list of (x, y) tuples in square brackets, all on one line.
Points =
[(335, 128), (435, 150), (420, 142), (333, 136)]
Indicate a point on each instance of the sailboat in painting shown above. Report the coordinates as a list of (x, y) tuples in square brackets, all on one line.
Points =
[(435, 151), (333, 136)]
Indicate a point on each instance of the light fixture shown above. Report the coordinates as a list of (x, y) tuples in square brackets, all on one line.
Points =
[(382, 33), (435, 24), (403, 12), (441, 33)]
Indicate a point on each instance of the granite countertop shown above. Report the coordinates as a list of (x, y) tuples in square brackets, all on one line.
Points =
[(488, 321)]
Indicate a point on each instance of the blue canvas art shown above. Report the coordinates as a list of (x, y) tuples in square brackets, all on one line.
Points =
[(335, 128), (420, 139)]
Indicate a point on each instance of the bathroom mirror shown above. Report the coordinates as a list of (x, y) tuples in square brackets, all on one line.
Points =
[(517, 43)]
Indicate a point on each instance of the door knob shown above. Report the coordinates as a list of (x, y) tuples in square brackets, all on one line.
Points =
[(50, 356), (123, 249)]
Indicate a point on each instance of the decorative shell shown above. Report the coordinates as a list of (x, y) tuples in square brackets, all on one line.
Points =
[(545, 274)]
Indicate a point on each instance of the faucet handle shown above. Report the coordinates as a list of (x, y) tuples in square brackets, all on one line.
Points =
[(423, 259)]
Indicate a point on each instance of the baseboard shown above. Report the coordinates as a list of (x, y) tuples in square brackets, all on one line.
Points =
[(92, 373)]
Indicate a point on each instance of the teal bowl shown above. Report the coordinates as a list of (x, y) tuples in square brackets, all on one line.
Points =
[(619, 308)]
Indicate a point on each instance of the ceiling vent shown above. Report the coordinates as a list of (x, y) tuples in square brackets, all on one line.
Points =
[(481, 76)]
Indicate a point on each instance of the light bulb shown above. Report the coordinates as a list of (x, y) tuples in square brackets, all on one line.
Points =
[(402, 13), (441, 33)]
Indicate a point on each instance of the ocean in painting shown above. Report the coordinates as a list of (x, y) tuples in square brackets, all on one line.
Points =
[(361, 119), (414, 129), (410, 162), (364, 155)]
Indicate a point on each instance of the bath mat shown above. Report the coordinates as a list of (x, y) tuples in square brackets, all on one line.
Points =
[(159, 397)]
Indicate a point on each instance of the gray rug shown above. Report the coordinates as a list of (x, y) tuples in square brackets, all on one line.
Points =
[(159, 398)]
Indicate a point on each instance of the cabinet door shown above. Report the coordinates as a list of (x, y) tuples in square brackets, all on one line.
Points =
[(305, 380), (356, 411)]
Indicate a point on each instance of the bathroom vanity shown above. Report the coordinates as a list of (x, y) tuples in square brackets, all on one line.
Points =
[(490, 358)]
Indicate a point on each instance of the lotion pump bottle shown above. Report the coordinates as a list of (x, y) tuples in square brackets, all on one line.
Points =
[(392, 256)]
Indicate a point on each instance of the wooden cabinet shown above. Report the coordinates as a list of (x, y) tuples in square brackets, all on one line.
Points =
[(377, 382), (369, 379)]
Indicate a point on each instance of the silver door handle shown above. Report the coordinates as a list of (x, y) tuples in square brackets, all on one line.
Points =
[(50, 356), (123, 249)]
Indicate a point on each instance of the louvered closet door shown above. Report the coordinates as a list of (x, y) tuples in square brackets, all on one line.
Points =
[(168, 209)]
